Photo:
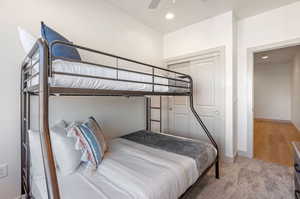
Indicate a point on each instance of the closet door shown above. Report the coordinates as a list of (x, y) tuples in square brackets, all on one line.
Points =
[(179, 115), (209, 101)]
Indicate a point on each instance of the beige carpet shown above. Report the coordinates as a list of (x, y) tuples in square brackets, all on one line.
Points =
[(247, 179)]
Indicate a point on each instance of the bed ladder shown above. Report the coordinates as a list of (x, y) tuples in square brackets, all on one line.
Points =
[(149, 119)]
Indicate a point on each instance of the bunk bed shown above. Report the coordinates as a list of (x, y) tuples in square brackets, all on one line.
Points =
[(44, 75)]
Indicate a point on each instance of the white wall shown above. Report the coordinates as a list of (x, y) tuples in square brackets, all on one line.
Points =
[(296, 92), (95, 24), (271, 27), (208, 34), (272, 91)]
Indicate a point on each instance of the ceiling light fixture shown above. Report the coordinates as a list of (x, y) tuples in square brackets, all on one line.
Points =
[(170, 16), (265, 57)]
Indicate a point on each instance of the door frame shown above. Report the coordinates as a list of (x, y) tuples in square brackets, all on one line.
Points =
[(203, 54), (250, 87), (197, 55)]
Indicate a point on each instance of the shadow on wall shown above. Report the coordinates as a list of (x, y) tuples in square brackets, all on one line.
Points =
[(111, 112)]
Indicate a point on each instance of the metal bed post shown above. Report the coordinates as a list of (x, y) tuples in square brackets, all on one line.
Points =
[(160, 113), (23, 146), (48, 158), (191, 96), (148, 113), (25, 126)]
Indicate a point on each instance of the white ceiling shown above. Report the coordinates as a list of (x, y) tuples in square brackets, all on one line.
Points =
[(191, 11), (277, 56)]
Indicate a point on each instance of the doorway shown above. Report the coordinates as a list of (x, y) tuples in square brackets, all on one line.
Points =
[(207, 71), (275, 104)]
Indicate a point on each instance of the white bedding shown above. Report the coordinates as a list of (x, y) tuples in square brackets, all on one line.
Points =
[(129, 170), (93, 83)]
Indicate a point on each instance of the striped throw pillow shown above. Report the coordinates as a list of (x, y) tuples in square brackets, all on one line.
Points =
[(90, 140)]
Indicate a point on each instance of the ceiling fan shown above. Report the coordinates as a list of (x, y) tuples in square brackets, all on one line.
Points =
[(155, 3)]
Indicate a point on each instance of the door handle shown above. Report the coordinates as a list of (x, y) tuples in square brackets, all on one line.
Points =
[(217, 112)]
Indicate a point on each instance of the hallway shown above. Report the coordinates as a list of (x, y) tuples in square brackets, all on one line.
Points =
[(272, 141)]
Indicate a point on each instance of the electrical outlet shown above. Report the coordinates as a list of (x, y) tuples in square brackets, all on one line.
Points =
[(3, 170)]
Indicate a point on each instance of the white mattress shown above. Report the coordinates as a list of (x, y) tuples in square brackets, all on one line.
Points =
[(129, 170), (93, 83)]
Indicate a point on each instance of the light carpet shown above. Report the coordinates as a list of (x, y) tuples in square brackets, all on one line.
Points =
[(247, 179)]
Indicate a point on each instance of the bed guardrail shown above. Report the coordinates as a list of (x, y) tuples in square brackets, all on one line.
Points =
[(181, 81)]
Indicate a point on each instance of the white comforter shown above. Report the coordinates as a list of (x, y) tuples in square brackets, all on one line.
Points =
[(93, 83), (129, 170)]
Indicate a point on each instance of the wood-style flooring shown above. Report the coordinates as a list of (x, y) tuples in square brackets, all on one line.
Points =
[(272, 141)]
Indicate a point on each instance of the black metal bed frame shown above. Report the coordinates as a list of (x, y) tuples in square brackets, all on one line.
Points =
[(44, 90)]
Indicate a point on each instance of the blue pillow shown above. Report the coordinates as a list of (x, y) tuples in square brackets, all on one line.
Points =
[(58, 50)]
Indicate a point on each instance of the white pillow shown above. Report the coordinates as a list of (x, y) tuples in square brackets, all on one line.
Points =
[(27, 40), (36, 157), (66, 156)]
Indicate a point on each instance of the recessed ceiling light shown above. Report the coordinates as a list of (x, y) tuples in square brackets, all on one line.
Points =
[(170, 16), (265, 57)]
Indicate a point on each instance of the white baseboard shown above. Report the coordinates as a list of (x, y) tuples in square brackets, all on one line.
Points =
[(244, 154), (227, 159), (272, 120)]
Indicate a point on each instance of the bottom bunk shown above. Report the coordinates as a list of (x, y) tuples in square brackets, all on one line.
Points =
[(139, 165)]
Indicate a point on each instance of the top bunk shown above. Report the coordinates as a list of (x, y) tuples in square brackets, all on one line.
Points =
[(106, 75)]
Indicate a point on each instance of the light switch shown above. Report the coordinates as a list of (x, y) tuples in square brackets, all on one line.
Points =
[(3, 170)]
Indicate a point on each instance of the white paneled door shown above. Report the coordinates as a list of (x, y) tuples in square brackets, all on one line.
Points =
[(209, 100)]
